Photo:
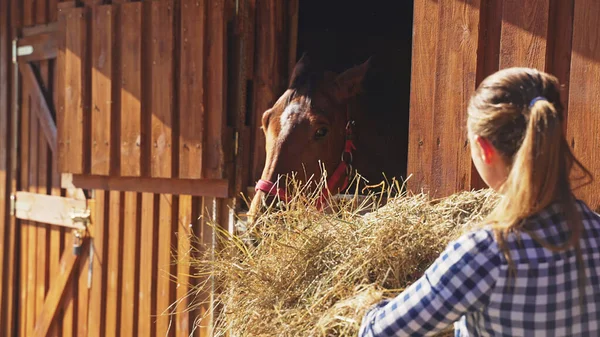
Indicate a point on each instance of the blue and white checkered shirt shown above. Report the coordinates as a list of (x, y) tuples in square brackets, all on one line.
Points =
[(469, 286)]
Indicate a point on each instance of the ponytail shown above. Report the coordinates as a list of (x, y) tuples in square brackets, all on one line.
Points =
[(530, 135)]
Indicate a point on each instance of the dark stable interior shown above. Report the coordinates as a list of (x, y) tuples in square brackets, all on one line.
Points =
[(346, 33), (342, 34)]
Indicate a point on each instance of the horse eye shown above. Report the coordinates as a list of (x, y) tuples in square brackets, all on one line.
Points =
[(322, 132)]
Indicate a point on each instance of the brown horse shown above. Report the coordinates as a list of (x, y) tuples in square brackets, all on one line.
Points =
[(327, 120)]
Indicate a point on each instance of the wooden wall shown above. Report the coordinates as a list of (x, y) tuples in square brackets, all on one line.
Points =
[(137, 92), (457, 43)]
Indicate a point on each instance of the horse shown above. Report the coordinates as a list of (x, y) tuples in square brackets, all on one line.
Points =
[(325, 121)]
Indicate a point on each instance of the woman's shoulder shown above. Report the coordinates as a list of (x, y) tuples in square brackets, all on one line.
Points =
[(476, 243)]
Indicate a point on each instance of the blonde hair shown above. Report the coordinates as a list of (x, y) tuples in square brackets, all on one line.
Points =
[(519, 111)]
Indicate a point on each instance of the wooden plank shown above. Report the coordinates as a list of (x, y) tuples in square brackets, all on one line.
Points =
[(130, 50), (47, 28), (201, 187), (42, 255), (559, 45), (72, 113), (49, 209), (292, 18), (191, 107), (56, 248), (5, 163), (42, 111), (488, 56), (23, 225), (583, 125), (82, 293), (268, 81), (41, 11), (421, 140), (165, 291), (524, 33), (208, 209), (31, 227), (28, 12), (161, 53), (213, 162), (100, 253), (52, 10), (55, 294), (184, 321), (45, 46), (196, 230), (451, 164), (438, 158), (113, 266), (102, 103), (131, 265), (148, 244)]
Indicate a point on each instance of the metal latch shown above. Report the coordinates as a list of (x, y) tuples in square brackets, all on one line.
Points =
[(81, 217)]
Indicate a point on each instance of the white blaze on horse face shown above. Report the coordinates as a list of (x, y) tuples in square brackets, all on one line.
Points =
[(286, 116)]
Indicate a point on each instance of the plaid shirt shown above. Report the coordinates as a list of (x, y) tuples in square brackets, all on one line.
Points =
[(469, 285)]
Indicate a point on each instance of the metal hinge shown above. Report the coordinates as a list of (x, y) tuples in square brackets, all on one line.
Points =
[(236, 142), (13, 205), (20, 51)]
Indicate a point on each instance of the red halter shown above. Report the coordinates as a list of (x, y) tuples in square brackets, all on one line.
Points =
[(342, 171)]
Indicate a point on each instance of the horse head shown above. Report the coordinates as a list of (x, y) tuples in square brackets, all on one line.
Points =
[(308, 129)]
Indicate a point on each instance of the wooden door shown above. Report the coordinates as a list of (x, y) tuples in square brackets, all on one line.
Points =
[(51, 276)]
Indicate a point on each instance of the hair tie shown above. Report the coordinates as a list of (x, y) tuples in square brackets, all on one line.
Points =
[(533, 101)]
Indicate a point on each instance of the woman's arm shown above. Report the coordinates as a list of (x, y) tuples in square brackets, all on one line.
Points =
[(459, 281)]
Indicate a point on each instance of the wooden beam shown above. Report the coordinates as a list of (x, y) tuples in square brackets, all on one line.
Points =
[(55, 294), (44, 46), (48, 209), (218, 188), (45, 116), (51, 27)]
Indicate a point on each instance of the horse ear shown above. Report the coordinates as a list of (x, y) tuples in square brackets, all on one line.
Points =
[(350, 82), (300, 71)]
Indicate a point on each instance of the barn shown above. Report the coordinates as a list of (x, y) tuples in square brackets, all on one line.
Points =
[(127, 127)]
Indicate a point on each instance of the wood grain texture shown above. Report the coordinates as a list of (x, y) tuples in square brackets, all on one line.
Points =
[(583, 125), (191, 96), (213, 163), (32, 226), (165, 291), (130, 49), (42, 261), (24, 131), (97, 309), (102, 82), (56, 294), (438, 150), (524, 33), (130, 265), (184, 320), (148, 244), (29, 11), (161, 54), (73, 108), (41, 12), (421, 141), (559, 45), (113, 266), (6, 232)]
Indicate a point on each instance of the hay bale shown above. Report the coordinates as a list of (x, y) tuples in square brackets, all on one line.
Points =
[(315, 274)]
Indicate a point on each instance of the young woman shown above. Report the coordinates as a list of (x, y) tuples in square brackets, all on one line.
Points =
[(534, 268)]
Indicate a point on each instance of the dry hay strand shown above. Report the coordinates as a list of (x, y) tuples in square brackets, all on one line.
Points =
[(316, 273)]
